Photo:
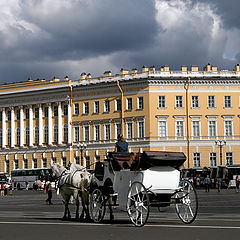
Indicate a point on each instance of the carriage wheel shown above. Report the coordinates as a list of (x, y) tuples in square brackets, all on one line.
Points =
[(97, 206), (186, 202), (138, 204)]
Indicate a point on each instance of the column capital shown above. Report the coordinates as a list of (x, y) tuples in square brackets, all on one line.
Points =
[(39, 105), (49, 104), (30, 106), (12, 108)]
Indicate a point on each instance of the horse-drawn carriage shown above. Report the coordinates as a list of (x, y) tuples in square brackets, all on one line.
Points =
[(154, 181)]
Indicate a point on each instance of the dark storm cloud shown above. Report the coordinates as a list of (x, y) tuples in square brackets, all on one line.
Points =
[(46, 38)]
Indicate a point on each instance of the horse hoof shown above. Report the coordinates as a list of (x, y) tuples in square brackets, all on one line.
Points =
[(111, 218), (64, 218)]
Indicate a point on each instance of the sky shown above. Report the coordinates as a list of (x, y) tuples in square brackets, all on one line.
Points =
[(47, 38)]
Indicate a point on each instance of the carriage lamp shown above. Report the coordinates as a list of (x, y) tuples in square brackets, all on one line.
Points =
[(82, 147), (220, 144)]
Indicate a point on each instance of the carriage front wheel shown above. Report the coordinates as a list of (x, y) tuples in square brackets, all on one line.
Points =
[(138, 204), (186, 202), (97, 205)]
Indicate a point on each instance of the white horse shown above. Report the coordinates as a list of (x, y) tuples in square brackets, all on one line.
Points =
[(71, 182)]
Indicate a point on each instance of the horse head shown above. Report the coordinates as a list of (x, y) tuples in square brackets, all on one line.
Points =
[(57, 170)]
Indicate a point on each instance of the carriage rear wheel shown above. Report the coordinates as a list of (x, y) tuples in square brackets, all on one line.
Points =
[(97, 205), (186, 202), (138, 204)]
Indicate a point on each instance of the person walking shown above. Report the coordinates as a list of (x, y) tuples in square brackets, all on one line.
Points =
[(237, 183), (207, 183), (121, 145), (49, 192), (2, 190)]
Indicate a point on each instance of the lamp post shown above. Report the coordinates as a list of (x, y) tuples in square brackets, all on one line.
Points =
[(82, 147), (220, 144)]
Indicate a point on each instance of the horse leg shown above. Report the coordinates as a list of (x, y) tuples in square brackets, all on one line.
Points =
[(87, 207), (77, 205), (66, 209), (83, 206), (110, 208)]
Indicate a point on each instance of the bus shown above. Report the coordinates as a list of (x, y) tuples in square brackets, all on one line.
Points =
[(3, 178), (20, 177), (231, 172)]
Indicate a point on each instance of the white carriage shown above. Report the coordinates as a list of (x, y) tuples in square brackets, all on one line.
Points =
[(155, 181)]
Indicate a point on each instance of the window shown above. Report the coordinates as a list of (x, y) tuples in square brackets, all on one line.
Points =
[(36, 135), (107, 135), (179, 129), (96, 132), (118, 129), (0, 137), (8, 115), (211, 101), (96, 107), (162, 128), (27, 135), (87, 162), (1, 113), (97, 159), (227, 102), (55, 111), (86, 108), (179, 102), (229, 158), (212, 129), (118, 105), (27, 114), (55, 133), (65, 109), (36, 113), (76, 134), (213, 159), (195, 102), (44, 162), (25, 163), (45, 112), (162, 102), (141, 129), (106, 106), (7, 166), (86, 133), (77, 160), (9, 136), (129, 130), (196, 159), (129, 104), (65, 133), (196, 128), (18, 136), (18, 114), (16, 164), (140, 103), (54, 160), (76, 109), (64, 161), (228, 128), (34, 163), (46, 134)]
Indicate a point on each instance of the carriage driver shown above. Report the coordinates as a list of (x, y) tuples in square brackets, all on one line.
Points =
[(121, 145)]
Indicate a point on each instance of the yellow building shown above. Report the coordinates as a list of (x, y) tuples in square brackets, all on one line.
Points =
[(42, 121)]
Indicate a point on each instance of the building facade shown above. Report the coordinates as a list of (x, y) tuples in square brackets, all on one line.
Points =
[(45, 121)]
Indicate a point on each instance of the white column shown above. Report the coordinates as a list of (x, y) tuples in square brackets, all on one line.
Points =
[(30, 126), (21, 127), (3, 128), (49, 124), (12, 127), (69, 123), (40, 123), (60, 123)]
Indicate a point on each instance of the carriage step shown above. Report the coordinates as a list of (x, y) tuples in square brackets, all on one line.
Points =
[(160, 204)]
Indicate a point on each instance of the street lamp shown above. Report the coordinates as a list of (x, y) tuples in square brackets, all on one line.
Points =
[(220, 144), (82, 147)]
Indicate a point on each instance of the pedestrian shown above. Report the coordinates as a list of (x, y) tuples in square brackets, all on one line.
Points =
[(49, 192), (237, 183), (219, 184), (121, 145), (27, 185), (2, 190), (207, 183), (5, 189)]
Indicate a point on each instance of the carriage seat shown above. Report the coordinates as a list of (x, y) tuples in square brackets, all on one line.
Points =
[(119, 160)]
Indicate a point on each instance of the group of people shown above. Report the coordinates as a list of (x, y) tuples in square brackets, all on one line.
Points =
[(5, 188)]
